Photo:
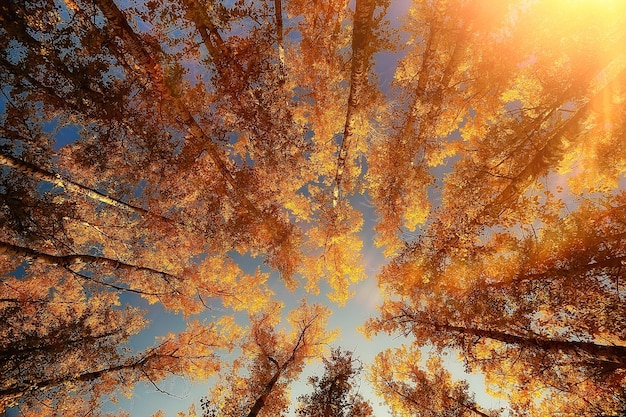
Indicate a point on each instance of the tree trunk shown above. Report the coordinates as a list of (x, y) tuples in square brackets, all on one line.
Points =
[(409, 124), (15, 391), (361, 37), (220, 54), (52, 95), (59, 181), (14, 352), (278, 13), (9, 249), (606, 353), (260, 402)]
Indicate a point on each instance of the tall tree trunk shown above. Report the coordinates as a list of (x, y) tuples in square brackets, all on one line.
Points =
[(52, 95), (14, 352), (278, 13), (72, 186), (9, 249), (361, 38), (260, 402), (57, 180), (411, 120), (227, 64), (15, 391), (606, 353), (219, 52)]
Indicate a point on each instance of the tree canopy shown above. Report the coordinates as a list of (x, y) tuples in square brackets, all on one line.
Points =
[(152, 150)]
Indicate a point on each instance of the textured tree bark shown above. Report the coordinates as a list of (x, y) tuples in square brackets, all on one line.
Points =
[(69, 185), (614, 354), (9, 249), (15, 392), (16, 352), (260, 402), (612, 262), (361, 37), (278, 12)]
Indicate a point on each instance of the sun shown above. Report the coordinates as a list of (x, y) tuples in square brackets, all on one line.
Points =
[(607, 10)]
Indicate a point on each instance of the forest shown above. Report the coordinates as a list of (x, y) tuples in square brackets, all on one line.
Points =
[(246, 166)]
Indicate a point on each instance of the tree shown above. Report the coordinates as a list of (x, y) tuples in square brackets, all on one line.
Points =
[(409, 388), (148, 201), (48, 336), (199, 142), (333, 241), (102, 150), (542, 313), (509, 269), (362, 49), (272, 359), (444, 81), (334, 392), (64, 346), (90, 235), (498, 176)]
